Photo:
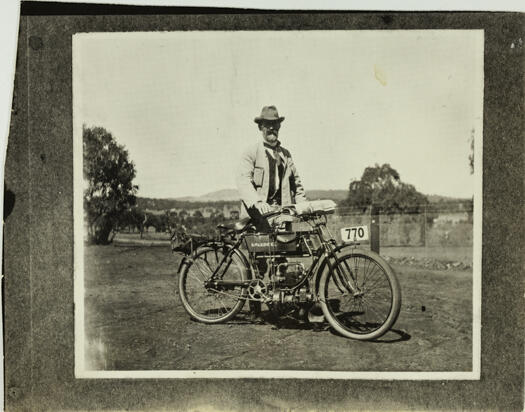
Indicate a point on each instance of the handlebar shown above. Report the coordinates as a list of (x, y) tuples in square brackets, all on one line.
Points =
[(306, 211), (277, 210)]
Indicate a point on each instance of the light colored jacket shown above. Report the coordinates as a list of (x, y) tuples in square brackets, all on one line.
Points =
[(253, 178)]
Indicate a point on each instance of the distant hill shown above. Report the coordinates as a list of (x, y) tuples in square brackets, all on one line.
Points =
[(226, 195), (217, 196), (165, 204), (223, 197), (335, 195)]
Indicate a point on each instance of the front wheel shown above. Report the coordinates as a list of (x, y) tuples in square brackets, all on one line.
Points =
[(206, 303), (360, 295)]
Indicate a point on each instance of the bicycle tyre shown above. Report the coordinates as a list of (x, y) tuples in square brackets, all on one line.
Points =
[(361, 321), (194, 296)]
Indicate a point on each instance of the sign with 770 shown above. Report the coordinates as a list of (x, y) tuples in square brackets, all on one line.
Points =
[(354, 234)]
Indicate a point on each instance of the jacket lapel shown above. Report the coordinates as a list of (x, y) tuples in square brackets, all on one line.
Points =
[(262, 161)]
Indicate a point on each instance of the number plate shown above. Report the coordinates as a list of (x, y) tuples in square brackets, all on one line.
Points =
[(354, 234)]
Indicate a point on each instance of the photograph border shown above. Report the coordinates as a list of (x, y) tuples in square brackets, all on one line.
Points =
[(38, 257)]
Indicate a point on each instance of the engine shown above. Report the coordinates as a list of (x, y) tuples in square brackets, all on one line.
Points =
[(289, 274), (284, 283), (287, 277)]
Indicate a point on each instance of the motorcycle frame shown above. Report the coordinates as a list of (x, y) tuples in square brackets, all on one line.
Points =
[(325, 256)]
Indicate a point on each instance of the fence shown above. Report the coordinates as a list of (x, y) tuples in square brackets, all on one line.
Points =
[(426, 225), (430, 225)]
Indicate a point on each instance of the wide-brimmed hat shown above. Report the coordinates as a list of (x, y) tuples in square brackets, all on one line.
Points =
[(268, 113)]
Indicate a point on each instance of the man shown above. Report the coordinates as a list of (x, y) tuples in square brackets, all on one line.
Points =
[(267, 175)]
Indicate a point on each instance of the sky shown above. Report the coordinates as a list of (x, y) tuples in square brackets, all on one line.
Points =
[(183, 103)]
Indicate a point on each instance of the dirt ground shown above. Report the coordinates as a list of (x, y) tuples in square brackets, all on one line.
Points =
[(134, 320)]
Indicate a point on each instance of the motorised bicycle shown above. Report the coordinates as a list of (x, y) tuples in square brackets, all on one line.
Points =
[(357, 290)]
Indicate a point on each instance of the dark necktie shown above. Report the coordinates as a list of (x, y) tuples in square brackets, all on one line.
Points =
[(275, 165)]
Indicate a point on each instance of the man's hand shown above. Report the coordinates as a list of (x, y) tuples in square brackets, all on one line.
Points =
[(263, 208)]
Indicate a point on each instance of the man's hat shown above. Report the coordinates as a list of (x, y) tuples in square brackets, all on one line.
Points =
[(268, 113)]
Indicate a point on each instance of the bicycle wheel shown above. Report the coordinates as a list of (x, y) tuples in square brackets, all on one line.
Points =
[(361, 298), (208, 304)]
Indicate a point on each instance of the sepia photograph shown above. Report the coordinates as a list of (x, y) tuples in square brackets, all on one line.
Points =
[(262, 209), (290, 204)]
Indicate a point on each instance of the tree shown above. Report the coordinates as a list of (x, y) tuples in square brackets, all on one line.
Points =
[(133, 218), (160, 220), (382, 186), (197, 213), (109, 175)]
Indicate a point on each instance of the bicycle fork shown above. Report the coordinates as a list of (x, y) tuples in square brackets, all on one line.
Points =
[(344, 277)]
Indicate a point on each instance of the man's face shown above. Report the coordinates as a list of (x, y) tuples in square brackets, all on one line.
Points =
[(270, 131)]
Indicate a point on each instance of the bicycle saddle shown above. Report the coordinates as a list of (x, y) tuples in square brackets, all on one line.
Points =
[(238, 226)]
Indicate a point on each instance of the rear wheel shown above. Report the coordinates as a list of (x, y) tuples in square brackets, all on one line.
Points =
[(212, 304), (361, 297)]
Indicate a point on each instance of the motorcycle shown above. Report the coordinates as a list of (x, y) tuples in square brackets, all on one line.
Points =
[(357, 290)]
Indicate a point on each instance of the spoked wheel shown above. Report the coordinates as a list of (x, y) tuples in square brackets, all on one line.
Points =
[(206, 303), (361, 298)]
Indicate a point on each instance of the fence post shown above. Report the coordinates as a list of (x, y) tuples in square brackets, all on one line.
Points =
[(374, 228)]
